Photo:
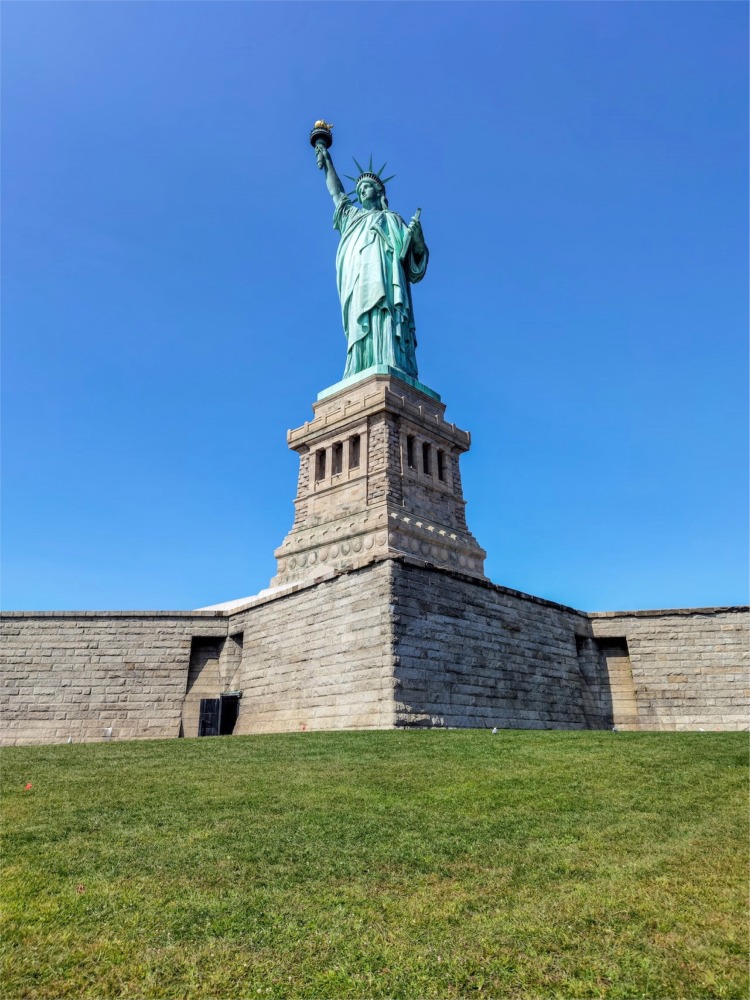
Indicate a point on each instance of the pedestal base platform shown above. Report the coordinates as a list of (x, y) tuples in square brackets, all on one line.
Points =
[(348, 383)]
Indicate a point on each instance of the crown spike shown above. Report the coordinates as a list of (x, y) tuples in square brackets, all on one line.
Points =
[(384, 180), (357, 165), (379, 172), (370, 167)]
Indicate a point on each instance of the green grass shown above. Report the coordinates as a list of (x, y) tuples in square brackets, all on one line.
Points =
[(384, 864)]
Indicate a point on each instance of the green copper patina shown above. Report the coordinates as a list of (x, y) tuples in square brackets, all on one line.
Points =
[(378, 259)]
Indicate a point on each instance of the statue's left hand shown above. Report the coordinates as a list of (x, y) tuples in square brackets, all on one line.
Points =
[(417, 236)]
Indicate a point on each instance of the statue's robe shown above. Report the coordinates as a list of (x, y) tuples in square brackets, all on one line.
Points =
[(375, 267)]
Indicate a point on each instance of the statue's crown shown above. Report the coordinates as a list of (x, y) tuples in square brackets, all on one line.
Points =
[(369, 175)]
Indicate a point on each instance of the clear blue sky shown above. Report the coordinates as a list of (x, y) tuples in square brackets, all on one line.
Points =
[(170, 305)]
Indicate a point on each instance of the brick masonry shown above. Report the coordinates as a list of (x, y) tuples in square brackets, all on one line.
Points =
[(396, 642)]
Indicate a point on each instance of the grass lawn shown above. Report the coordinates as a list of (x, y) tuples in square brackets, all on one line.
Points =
[(383, 864)]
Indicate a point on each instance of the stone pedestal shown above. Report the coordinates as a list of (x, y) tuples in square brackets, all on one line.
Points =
[(379, 476)]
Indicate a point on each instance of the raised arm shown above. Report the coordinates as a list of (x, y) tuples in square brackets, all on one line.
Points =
[(334, 185)]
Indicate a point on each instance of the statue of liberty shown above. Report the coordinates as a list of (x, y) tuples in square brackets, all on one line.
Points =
[(379, 257)]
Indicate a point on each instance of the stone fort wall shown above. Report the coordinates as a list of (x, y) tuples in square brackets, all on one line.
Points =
[(393, 643), (470, 653), (686, 669), (78, 674), (318, 658)]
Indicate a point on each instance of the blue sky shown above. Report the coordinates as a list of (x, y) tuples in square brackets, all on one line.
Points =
[(169, 300)]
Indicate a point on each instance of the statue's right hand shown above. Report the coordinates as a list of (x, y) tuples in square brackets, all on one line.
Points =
[(322, 156)]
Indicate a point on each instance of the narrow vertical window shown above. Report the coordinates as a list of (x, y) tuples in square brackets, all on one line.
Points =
[(426, 459), (320, 465), (354, 446), (441, 465), (337, 459), (410, 451)]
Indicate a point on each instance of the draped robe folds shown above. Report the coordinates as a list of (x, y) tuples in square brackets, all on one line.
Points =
[(374, 287)]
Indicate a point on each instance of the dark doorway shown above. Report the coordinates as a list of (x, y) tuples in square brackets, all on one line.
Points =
[(218, 716), (208, 720), (230, 709)]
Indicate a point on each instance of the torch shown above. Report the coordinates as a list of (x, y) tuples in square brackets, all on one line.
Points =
[(321, 135)]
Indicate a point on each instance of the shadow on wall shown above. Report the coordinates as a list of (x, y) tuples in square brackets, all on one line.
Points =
[(609, 691), (619, 703)]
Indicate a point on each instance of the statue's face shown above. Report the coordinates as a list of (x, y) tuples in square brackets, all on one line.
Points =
[(369, 194)]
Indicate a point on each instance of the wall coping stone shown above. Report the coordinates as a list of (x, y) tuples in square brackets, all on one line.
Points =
[(111, 614), (655, 613)]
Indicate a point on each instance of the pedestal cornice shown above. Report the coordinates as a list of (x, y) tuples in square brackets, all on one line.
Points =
[(377, 392)]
